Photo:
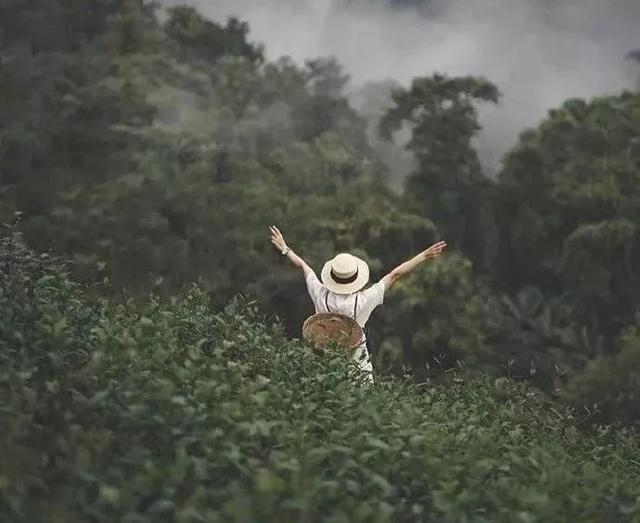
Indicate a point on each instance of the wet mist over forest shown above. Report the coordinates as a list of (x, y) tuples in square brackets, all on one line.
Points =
[(538, 52)]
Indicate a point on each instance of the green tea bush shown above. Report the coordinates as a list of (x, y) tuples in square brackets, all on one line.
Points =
[(169, 412)]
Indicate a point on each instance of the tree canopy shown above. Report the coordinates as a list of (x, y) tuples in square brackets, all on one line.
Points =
[(154, 151)]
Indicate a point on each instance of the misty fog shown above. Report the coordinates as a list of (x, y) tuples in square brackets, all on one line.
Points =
[(538, 52)]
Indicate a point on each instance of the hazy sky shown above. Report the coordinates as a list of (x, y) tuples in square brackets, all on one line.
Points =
[(538, 52)]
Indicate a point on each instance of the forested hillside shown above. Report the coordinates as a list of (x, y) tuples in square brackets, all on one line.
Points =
[(151, 150), (143, 155)]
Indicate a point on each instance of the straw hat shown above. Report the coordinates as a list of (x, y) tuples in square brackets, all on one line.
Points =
[(325, 328), (345, 274)]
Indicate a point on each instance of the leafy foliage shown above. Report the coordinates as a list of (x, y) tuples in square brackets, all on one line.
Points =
[(535, 337), (208, 40), (154, 151), (569, 208), (609, 387), (166, 411), (448, 186), (438, 315)]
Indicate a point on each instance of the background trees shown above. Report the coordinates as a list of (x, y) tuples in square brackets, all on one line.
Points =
[(568, 209), (448, 184), (152, 154)]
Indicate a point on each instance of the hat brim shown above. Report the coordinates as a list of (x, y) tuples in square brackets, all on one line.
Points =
[(346, 288)]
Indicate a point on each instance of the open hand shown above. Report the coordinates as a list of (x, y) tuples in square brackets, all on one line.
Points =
[(277, 239), (435, 250)]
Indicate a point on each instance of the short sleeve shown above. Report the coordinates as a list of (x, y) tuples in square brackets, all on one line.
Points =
[(315, 289), (373, 297), (375, 294)]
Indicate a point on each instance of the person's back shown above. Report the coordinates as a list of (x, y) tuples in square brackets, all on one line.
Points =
[(358, 305), (341, 290)]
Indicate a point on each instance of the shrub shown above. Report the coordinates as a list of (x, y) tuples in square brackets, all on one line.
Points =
[(534, 337), (140, 412), (608, 389), (437, 314)]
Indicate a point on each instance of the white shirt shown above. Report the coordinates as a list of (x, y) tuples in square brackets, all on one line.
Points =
[(368, 299)]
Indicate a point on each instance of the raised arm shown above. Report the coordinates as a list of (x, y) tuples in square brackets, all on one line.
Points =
[(278, 241), (405, 268)]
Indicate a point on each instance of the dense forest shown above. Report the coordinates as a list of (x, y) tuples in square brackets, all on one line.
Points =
[(150, 149)]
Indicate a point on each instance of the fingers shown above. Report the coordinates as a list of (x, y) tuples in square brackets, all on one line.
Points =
[(275, 231), (276, 237), (436, 249)]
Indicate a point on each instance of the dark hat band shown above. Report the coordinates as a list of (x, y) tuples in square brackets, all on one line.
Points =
[(344, 281)]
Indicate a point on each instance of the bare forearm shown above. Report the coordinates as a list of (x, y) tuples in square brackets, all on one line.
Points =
[(277, 239), (405, 268), (297, 262), (408, 266)]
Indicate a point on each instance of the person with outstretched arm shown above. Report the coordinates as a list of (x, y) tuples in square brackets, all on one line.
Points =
[(343, 280)]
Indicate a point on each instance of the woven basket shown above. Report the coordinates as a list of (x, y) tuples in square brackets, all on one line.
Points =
[(327, 328)]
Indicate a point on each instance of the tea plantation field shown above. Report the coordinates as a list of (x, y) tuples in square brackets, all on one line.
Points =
[(121, 411)]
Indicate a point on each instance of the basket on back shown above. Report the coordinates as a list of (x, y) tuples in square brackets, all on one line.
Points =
[(326, 328)]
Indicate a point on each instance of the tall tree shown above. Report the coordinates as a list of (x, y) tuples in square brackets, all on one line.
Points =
[(448, 186)]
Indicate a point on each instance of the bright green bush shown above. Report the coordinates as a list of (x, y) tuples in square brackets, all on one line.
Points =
[(169, 412)]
